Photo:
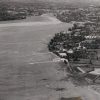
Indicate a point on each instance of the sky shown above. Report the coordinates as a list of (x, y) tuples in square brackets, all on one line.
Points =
[(58, 0), (68, 1)]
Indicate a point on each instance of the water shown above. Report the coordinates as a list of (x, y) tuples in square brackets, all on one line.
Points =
[(20, 45)]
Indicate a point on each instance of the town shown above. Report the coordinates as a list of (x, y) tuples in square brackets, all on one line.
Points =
[(91, 13), (79, 48), (62, 11)]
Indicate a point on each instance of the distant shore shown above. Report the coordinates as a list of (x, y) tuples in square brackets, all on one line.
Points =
[(46, 21)]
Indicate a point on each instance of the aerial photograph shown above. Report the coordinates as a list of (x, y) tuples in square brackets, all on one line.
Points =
[(49, 49)]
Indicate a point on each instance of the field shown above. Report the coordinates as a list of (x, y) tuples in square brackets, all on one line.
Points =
[(26, 68)]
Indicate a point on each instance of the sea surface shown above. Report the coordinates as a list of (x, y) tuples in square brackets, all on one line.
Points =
[(26, 67)]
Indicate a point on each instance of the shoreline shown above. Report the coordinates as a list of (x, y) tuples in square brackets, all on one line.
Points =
[(51, 20), (21, 45)]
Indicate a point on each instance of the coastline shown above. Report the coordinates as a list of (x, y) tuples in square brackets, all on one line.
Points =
[(20, 48), (51, 20), (21, 45)]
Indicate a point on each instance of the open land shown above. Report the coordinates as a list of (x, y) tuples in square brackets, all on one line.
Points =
[(27, 70)]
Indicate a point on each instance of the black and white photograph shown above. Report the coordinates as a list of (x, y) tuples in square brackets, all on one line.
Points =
[(49, 49)]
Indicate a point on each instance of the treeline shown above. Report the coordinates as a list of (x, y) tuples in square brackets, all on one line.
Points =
[(19, 10), (9, 11), (11, 15)]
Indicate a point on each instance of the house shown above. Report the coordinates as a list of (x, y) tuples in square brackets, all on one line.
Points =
[(63, 55), (61, 60), (92, 36), (70, 54), (70, 51), (64, 60), (95, 72)]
